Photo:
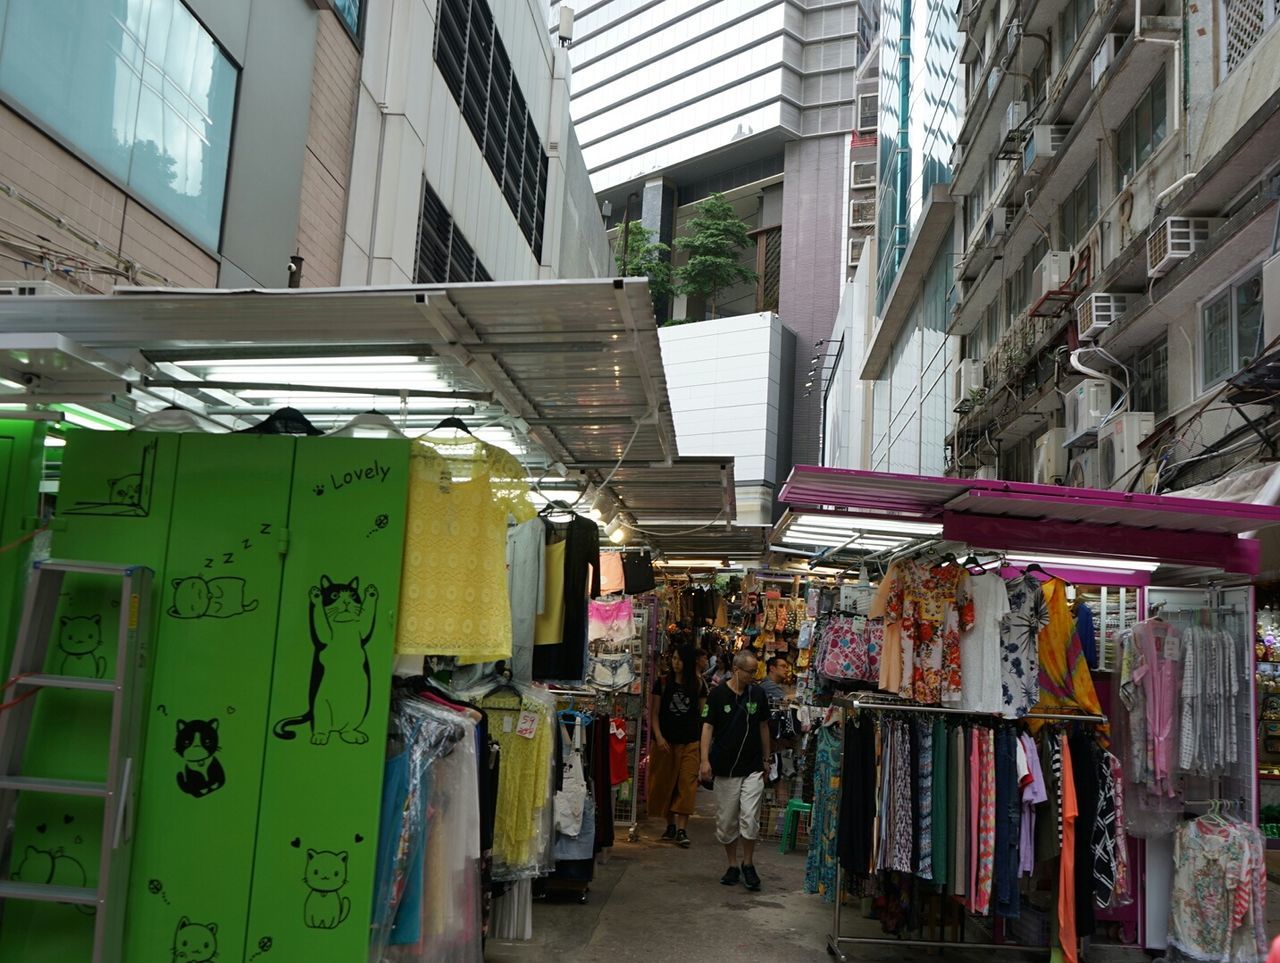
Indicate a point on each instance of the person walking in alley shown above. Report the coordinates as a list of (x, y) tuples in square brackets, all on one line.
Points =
[(675, 714), (777, 675), (735, 743)]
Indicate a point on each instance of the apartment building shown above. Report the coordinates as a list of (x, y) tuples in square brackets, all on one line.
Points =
[(263, 143), (1116, 173), (761, 100)]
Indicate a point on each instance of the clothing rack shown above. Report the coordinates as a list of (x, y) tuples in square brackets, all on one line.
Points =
[(845, 704)]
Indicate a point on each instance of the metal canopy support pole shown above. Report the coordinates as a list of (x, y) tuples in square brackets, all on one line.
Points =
[(858, 704)]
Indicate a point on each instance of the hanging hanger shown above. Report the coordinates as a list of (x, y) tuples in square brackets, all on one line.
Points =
[(368, 424), (174, 418), (453, 422), (286, 421), (557, 506)]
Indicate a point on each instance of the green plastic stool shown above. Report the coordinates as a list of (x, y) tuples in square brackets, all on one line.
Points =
[(791, 823)]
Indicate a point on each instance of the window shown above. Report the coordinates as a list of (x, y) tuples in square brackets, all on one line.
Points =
[(1142, 131), (348, 12), (1151, 379), (471, 57), (1230, 328), (141, 90), (868, 110), (1071, 24), (444, 254), (1079, 210)]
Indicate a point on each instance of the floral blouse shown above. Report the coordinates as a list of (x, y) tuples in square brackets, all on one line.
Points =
[(931, 607)]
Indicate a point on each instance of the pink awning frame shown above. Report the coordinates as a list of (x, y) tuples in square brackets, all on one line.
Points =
[(1015, 516)]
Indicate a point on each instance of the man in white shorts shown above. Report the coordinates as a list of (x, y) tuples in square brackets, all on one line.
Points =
[(735, 743)]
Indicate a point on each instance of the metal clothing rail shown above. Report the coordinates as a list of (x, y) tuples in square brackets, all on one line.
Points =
[(857, 704)]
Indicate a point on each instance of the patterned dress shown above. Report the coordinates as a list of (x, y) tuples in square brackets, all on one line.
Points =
[(1019, 640), (820, 867)]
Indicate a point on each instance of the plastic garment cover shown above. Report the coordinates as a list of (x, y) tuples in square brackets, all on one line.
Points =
[(451, 927), (427, 904)]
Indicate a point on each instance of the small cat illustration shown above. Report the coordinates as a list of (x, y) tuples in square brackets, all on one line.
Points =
[(78, 638), (215, 598), (195, 942), (342, 623), (325, 907), (125, 490), (196, 743), (53, 867)]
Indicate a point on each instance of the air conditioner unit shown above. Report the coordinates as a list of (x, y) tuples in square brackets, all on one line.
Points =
[(1097, 312), (987, 473), (1118, 442), (1083, 470), (862, 211), (1111, 45), (1052, 273), (1090, 247), (1043, 142), (863, 175), (993, 228), (855, 250), (1176, 239), (1087, 404), (32, 289), (969, 378), (1051, 457), (1013, 117)]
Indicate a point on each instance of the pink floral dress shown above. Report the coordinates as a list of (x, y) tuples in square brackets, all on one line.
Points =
[(932, 607)]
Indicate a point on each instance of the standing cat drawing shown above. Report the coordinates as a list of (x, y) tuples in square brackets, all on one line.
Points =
[(342, 622), (325, 907), (79, 637)]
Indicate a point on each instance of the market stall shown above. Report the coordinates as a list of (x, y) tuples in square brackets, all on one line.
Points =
[(1048, 624), (365, 623)]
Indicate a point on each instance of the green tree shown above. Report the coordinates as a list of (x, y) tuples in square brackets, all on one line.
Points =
[(714, 241), (644, 257)]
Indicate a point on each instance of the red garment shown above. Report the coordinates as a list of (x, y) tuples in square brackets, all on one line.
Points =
[(618, 769)]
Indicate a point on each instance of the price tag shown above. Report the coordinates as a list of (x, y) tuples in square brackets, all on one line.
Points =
[(528, 724)]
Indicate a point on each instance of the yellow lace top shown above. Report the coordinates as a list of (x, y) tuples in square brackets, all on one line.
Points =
[(453, 592), (523, 788)]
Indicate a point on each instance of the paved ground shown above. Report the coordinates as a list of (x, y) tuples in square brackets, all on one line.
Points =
[(653, 902)]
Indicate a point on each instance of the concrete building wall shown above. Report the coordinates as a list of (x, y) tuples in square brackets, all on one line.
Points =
[(326, 164), (409, 128), (813, 266), (727, 383)]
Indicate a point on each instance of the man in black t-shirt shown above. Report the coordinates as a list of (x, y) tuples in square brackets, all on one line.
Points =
[(735, 743)]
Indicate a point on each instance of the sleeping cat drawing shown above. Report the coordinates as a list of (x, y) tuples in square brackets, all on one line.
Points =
[(53, 867), (214, 598), (342, 620)]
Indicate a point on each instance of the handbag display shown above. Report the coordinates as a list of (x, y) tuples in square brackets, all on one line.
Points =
[(851, 653)]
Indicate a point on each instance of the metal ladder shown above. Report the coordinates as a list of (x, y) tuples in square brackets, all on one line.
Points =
[(127, 690)]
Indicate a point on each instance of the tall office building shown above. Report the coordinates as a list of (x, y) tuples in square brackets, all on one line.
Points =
[(756, 99)]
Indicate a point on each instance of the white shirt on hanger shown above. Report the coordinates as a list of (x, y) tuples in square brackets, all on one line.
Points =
[(980, 646)]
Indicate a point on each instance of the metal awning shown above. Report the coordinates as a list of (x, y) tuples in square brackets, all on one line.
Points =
[(565, 373), (1023, 517)]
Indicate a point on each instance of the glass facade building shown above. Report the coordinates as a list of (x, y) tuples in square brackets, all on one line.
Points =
[(921, 105), (921, 96)]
